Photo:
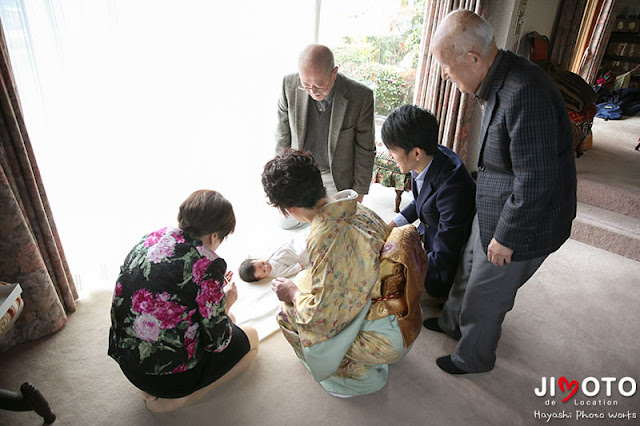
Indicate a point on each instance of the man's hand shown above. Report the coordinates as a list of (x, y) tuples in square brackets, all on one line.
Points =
[(391, 224), (498, 254), (360, 197), (285, 289)]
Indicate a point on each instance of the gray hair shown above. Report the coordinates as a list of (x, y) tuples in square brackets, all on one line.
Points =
[(463, 31), (317, 56)]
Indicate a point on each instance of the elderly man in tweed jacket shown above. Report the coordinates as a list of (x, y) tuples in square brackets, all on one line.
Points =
[(526, 188), (325, 112)]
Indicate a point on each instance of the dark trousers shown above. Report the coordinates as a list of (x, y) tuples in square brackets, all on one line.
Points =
[(208, 370)]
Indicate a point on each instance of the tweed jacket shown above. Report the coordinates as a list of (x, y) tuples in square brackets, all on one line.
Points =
[(351, 130), (445, 207), (526, 187)]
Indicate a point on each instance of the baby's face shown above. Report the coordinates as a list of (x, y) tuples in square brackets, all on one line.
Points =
[(263, 268)]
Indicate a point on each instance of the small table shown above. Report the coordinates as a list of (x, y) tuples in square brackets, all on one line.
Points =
[(29, 398), (386, 172)]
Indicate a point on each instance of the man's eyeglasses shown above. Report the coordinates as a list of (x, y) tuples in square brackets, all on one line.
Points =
[(314, 89), (317, 89)]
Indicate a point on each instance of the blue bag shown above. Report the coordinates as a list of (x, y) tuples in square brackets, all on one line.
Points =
[(609, 111)]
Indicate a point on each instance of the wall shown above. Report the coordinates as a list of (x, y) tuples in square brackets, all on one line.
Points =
[(626, 8), (540, 16)]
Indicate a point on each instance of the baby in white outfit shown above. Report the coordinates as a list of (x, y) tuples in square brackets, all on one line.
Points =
[(286, 261)]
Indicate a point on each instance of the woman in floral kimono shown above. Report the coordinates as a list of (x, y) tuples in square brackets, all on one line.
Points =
[(171, 330), (336, 318)]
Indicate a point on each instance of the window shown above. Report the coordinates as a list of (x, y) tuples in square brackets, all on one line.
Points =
[(132, 105), (376, 42)]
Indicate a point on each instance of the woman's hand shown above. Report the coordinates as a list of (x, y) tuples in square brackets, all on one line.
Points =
[(285, 289), (230, 292)]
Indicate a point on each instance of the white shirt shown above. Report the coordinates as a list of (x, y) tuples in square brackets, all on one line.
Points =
[(289, 259), (419, 181)]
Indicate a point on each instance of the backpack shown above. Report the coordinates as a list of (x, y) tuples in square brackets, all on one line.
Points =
[(609, 111)]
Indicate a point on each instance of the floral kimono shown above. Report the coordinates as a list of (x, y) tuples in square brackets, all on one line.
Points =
[(168, 306), (328, 325)]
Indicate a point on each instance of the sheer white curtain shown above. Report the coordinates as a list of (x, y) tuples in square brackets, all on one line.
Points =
[(133, 104)]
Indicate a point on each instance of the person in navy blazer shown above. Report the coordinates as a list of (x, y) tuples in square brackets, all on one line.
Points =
[(526, 185), (443, 192)]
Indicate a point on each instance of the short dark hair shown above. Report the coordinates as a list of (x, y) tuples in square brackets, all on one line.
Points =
[(247, 271), (205, 212), (409, 127), (293, 179)]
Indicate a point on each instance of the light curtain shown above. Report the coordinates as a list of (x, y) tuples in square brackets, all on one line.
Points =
[(593, 54), (451, 108), (30, 250), (566, 35)]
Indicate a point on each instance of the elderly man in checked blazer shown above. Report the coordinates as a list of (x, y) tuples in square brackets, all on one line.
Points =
[(526, 187)]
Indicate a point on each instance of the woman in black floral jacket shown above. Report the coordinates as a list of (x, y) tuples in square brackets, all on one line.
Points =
[(171, 330)]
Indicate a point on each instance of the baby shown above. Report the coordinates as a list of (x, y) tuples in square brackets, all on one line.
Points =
[(288, 260)]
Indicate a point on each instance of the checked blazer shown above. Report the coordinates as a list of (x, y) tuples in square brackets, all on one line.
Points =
[(351, 141), (526, 187)]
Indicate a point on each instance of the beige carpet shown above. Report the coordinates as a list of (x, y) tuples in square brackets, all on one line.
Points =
[(609, 188), (609, 173), (577, 318)]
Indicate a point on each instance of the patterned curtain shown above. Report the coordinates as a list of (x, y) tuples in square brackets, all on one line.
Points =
[(564, 41), (593, 54), (30, 250), (452, 108)]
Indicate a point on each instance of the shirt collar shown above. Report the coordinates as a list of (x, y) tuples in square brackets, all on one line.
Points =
[(420, 177), (324, 104), (329, 97), (483, 91)]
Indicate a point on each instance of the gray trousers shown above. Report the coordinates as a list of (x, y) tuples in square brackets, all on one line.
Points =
[(479, 299)]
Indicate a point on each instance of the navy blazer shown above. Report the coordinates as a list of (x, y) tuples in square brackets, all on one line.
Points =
[(445, 207), (526, 197)]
